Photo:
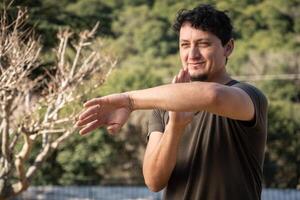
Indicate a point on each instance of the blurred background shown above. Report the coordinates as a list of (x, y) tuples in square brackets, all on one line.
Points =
[(138, 34)]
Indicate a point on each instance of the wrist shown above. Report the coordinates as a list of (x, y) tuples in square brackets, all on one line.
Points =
[(131, 104)]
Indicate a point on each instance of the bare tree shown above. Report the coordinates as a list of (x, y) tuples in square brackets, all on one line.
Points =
[(27, 117)]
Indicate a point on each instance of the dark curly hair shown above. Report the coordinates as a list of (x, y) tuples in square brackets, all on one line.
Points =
[(205, 17)]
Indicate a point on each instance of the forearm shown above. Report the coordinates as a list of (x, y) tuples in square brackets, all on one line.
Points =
[(175, 97), (159, 164)]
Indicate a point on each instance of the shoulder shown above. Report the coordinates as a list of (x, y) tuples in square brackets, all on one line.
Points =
[(252, 91), (158, 116), (158, 113), (157, 121), (260, 103)]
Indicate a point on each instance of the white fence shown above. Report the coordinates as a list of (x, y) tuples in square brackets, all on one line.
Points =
[(124, 193)]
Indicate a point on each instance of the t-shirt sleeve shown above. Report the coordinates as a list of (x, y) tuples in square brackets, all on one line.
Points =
[(155, 122), (260, 105)]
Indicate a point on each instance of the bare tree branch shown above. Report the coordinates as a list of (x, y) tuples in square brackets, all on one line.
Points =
[(5, 151), (41, 114)]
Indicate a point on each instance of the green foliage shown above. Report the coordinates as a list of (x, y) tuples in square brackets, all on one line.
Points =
[(154, 38), (281, 167), (47, 16), (85, 162), (81, 160), (282, 90), (139, 34), (92, 11)]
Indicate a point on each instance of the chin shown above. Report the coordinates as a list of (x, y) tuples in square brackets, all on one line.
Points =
[(199, 77)]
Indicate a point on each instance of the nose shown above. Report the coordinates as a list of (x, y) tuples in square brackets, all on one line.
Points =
[(194, 53)]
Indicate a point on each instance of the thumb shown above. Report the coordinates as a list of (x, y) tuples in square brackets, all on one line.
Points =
[(114, 128)]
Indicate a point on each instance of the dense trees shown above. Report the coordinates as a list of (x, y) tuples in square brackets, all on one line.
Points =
[(138, 33)]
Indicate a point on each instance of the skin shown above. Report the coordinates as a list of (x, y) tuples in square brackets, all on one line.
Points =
[(203, 58), (162, 149), (203, 55)]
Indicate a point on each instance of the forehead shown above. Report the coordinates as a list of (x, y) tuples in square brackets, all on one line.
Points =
[(187, 32)]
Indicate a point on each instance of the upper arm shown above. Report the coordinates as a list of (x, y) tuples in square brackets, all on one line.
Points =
[(153, 140), (155, 130), (232, 102)]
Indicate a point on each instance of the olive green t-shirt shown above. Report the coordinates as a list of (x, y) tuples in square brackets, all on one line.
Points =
[(218, 158)]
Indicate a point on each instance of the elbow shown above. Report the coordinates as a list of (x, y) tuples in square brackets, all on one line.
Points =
[(154, 186), (214, 96), (155, 182)]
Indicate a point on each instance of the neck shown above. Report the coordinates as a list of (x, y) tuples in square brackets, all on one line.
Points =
[(221, 77)]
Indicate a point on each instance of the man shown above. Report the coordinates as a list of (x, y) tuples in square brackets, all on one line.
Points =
[(206, 137)]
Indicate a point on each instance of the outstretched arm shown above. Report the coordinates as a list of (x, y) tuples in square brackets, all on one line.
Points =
[(113, 110), (212, 97)]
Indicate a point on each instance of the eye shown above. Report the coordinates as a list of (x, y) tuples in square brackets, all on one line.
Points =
[(184, 45), (203, 44)]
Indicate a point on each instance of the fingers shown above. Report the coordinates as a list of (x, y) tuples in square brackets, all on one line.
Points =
[(90, 127), (93, 102), (174, 79), (90, 111), (182, 77), (187, 77), (87, 120)]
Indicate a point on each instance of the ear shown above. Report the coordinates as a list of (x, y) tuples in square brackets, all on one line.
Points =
[(229, 48)]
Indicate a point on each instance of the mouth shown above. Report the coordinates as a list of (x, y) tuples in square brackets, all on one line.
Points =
[(197, 65)]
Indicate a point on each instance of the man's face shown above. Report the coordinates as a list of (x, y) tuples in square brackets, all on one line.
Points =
[(202, 53)]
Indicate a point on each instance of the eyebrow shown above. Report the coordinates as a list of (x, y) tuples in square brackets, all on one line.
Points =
[(199, 40)]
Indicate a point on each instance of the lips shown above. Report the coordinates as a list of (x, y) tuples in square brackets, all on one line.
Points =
[(197, 65)]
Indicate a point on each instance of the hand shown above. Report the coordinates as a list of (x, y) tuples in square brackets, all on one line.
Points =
[(181, 118), (111, 111)]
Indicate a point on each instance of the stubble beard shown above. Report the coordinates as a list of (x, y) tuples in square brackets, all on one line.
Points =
[(200, 77)]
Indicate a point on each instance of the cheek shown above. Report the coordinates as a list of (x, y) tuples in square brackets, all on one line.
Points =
[(220, 58), (183, 55), (214, 56), (208, 55)]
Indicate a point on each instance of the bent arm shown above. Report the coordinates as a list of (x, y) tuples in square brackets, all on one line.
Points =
[(160, 156), (219, 99)]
